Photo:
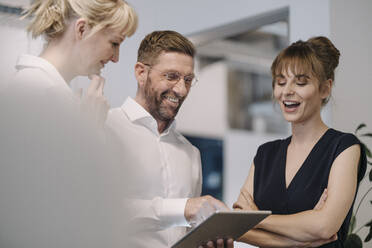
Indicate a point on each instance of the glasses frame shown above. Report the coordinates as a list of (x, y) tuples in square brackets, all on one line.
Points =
[(194, 81)]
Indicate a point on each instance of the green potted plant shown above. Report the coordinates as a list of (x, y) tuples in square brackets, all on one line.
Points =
[(353, 239)]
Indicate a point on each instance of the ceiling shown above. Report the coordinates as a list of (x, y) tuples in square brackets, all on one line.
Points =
[(250, 44)]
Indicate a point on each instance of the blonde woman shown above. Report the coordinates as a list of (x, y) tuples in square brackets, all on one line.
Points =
[(61, 184), (82, 37)]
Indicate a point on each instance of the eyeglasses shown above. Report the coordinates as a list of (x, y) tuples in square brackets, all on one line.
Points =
[(173, 77)]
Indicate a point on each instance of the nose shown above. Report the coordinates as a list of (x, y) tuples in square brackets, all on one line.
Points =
[(288, 89), (180, 88), (115, 56)]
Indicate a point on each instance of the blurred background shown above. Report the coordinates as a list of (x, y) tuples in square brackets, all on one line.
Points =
[(229, 112)]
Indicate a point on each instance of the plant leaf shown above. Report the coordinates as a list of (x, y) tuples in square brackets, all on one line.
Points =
[(353, 241), (370, 175), (368, 152), (367, 134), (369, 224), (352, 224), (359, 127), (368, 238)]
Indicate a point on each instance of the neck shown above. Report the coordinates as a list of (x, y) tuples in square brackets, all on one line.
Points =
[(162, 125), (58, 55), (308, 131)]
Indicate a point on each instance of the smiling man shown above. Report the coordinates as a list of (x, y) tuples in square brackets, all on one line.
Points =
[(166, 180)]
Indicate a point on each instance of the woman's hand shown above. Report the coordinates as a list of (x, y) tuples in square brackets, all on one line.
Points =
[(245, 201), (93, 103)]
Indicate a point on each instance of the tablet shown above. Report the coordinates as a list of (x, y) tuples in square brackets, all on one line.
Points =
[(223, 224)]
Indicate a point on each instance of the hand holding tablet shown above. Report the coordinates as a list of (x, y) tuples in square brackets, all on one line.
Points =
[(223, 225)]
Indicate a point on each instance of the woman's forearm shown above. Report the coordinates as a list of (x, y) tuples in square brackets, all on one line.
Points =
[(262, 238), (306, 226)]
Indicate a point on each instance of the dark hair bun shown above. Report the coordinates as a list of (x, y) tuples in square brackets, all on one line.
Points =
[(327, 53)]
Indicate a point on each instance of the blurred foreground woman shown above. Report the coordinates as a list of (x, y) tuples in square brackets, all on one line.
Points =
[(61, 182)]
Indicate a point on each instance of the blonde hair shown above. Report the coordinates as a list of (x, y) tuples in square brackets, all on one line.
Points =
[(51, 17)]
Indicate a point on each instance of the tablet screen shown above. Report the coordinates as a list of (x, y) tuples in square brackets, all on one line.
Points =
[(223, 224)]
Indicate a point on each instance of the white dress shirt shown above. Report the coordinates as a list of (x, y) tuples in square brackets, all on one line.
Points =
[(36, 76), (60, 185), (166, 172)]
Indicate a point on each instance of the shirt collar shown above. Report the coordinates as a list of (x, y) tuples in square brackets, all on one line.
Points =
[(137, 114), (31, 61)]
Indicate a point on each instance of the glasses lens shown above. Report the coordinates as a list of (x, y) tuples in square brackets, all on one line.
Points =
[(189, 79), (175, 77), (172, 76)]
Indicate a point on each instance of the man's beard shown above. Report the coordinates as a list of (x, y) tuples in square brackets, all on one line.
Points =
[(156, 106)]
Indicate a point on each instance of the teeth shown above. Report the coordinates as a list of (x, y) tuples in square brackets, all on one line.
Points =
[(172, 99), (290, 103)]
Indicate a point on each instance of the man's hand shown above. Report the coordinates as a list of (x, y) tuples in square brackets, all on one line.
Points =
[(199, 208), (93, 103), (220, 243)]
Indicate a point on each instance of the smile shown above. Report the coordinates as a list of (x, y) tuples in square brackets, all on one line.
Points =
[(172, 99), (291, 104)]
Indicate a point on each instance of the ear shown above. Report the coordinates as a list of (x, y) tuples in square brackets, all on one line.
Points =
[(326, 89), (140, 72), (81, 28)]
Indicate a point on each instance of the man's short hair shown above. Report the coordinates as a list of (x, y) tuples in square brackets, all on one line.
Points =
[(163, 41)]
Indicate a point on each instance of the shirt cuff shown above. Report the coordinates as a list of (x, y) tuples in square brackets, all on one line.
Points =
[(174, 211)]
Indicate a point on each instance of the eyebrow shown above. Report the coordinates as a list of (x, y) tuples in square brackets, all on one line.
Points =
[(302, 75), (279, 76), (175, 71)]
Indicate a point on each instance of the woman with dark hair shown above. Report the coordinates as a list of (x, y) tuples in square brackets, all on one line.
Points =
[(308, 180)]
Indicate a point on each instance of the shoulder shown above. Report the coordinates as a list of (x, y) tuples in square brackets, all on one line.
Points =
[(271, 146), (115, 113), (31, 80), (269, 152), (115, 118), (342, 135), (31, 88), (343, 141)]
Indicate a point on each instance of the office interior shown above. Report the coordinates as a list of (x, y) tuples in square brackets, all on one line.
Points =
[(229, 112)]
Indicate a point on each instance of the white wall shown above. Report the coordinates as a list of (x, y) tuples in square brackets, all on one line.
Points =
[(351, 31), (204, 112)]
